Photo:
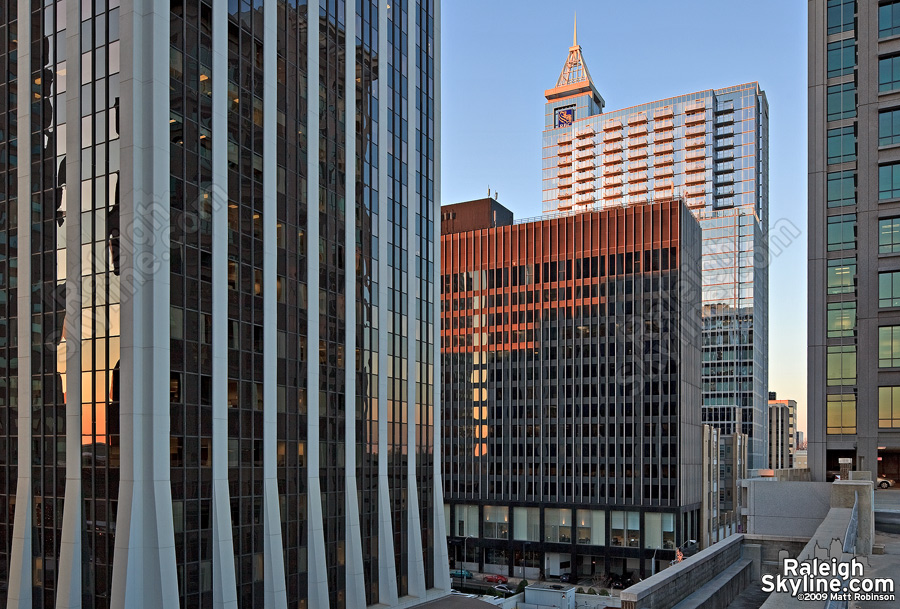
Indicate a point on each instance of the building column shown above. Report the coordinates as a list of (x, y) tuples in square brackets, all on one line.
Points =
[(144, 565)]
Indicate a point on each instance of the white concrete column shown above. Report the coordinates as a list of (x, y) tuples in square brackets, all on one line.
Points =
[(356, 588), (273, 560), (416, 564), (144, 573), (387, 568), (224, 577), (317, 575), (20, 563), (441, 559), (69, 588)]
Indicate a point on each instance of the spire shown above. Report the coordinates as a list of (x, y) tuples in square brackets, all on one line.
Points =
[(575, 33), (575, 69)]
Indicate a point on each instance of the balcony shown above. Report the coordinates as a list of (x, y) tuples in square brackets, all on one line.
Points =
[(565, 160), (664, 112), (638, 199), (693, 155), (663, 148), (585, 199), (611, 136), (634, 142), (726, 130), (581, 176), (612, 192), (725, 155), (564, 203), (663, 184), (564, 193), (611, 124), (727, 142), (637, 177), (587, 153), (663, 171), (563, 182), (695, 130), (723, 167), (695, 106), (725, 106), (614, 169), (613, 146), (695, 166), (724, 119), (693, 178), (584, 142), (725, 178), (581, 187), (695, 202), (638, 165), (693, 119), (639, 187), (561, 150), (695, 191), (582, 165), (586, 131), (664, 136), (637, 153), (638, 130), (564, 171), (695, 142), (725, 191), (664, 159), (612, 181), (609, 159), (662, 125), (635, 119), (564, 138)]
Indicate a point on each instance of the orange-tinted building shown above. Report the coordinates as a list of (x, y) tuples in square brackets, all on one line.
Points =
[(570, 377)]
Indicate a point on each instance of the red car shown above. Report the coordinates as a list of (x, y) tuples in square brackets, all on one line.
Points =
[(496, 579)]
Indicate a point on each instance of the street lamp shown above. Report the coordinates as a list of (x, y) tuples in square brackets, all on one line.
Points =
[(465, 541)]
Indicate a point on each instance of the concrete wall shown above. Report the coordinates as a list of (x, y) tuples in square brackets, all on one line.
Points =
[(786, 509), (667, 588)]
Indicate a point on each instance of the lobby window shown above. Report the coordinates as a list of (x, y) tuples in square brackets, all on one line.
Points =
[(841, 276), (889, 236), (889, 127), (889, 289), (841, 188), (557, 525), (841, 232), (466, 520), (840, 414), (889, 73), (841, 146), (889, 347), (591, 526), (889, 407), (496, 522), (527, 523), (841, 57), (840, 15), (841, 101), (889, 19), (840, 365), (841, 319), (625, 529)]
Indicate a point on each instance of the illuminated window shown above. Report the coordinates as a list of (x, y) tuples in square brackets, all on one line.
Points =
[(841, 232), (840, 417), (889, 407), (841, 319), (889, 347), (840, 365), (889, 289)]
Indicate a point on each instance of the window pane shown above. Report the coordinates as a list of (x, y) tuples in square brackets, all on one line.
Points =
[(841, 101), (841, 57), (841, 232), (889, 181), (841, 188), (841, 277), (840, 416), (888, 127), (842, 145), (889, 347), (840, 15), (889, 407), (889, 236), (889, 19), (841, 319), (840, 365), (889, 73), (889, 289)]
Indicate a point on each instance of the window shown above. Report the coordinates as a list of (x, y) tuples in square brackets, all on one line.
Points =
[(591, 525), (889, 73), (889, 347), (841, 318), (842, 144), (841, 101), (527, 523), (889, 236), (496, 522), (840, 416), (841, 57), (841, 277), (889, 289), (889, 19), (841, 188), (889, 407), (840, 15), (841, 232), (466, 520), (557, 525), (840, 365), (889, 127)]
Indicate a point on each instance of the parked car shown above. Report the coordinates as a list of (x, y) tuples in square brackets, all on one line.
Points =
[(885, 482), (567, 577), (504, 589), (496, 579), (461, 573)]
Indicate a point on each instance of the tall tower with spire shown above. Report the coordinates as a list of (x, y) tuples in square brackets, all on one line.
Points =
[(574, 96)]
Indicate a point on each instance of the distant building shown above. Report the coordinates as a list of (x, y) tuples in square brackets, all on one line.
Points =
[(711, 149), (732, 468), (570, 373), (782, 432), (710, 511)]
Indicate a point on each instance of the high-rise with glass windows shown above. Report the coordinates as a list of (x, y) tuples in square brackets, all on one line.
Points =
[(218, 304), (854, 237), (711, 149)]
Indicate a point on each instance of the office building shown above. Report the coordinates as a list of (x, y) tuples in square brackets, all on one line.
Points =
[(709, 519), (854, 237), (218, 333), (570, 376), (711, 149), (782, 432), (733, 469)]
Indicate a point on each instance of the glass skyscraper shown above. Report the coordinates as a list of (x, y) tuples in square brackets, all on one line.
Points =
[(709, 149), (217, 304)]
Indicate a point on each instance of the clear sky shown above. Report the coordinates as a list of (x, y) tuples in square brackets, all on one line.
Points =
[(498, 57)]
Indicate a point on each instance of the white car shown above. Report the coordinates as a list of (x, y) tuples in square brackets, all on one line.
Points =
[(884, 482)]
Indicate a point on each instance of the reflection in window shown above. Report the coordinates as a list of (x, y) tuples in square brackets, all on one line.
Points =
[(889, 347), (841, 188), (527, 523), (496, 522), (557, 525), (841, 319), (889, 127), (889, 236), (841, 276), (840, 365), (889, 289), (841, 232), (889, 407), (889, 19), (889, 73), (841, 57), (840, 101), (840, 15), (841, 145), (840, 417)]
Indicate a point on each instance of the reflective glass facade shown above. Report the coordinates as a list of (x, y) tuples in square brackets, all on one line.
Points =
[(257, 403), (571, 386), (710, 149)]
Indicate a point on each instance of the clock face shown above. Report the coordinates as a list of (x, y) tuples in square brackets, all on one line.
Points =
[(564, 117)]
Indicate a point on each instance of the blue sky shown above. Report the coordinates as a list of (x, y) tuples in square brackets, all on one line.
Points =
[(498, 57)]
